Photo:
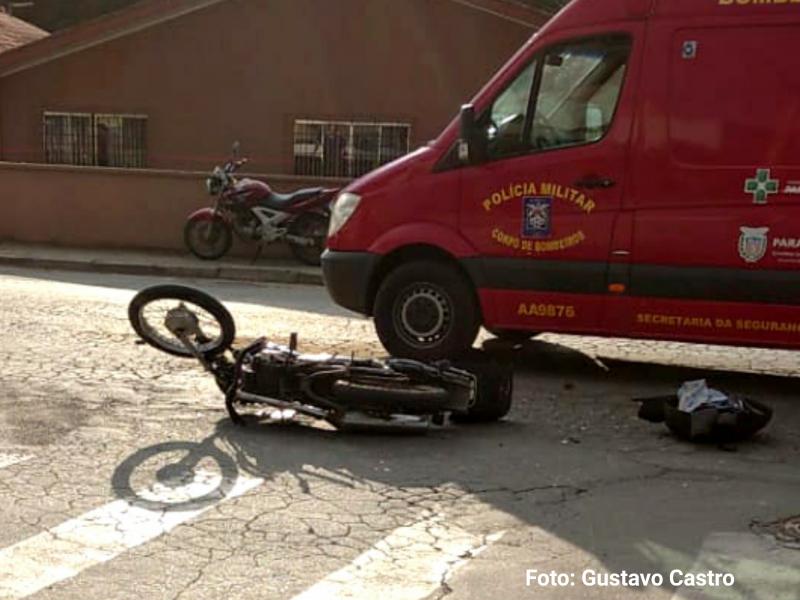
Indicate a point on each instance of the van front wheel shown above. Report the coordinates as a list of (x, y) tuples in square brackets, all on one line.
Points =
[(426, 311)]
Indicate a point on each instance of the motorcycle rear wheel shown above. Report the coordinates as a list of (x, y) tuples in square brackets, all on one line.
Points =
[(313, 226), (495, 390), (214, 316), (208, 240)]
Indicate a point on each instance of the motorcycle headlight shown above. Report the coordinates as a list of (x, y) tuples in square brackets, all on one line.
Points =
[(216, 182), (215, 185), (344, 208)]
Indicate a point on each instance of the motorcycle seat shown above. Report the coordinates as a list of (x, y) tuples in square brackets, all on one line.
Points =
[(277, 201)]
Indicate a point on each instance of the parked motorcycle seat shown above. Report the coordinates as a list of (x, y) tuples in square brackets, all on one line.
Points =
[(277, 201)]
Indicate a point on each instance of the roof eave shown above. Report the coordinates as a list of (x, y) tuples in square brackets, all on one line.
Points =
[(97, 31), (510, 11)]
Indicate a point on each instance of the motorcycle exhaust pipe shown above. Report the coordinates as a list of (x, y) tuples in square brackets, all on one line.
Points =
[(300, 241), (356, 421)]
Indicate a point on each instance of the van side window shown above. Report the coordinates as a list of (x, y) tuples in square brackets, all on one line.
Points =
[(578, 92), (506, 125)]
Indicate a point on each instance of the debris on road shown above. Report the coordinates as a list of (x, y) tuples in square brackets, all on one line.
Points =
[(694, 395), (702, 414)]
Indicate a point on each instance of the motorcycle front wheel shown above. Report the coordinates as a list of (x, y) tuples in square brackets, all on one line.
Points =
[(208, 240), (148, 311), (311, 226)]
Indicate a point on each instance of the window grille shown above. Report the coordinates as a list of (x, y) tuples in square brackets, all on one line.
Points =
[(346, 149), (68, 139), (120, 140), (104, 140)]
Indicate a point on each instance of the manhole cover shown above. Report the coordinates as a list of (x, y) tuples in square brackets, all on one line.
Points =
[(785, 531)]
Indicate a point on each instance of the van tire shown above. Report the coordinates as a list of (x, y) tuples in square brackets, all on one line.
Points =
[(426, 310)]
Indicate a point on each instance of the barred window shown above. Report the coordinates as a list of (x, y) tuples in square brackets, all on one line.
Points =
[(346, 149), (68, 139), (120, 140), (104, 140)]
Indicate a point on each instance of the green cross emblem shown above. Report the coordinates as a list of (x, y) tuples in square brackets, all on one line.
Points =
[(762, 186)]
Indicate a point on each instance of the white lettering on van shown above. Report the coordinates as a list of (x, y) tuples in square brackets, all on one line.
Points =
[(792, 188), (786, 243)]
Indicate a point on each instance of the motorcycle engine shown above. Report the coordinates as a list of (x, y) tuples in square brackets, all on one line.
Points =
[(264, 375), (246, 225)]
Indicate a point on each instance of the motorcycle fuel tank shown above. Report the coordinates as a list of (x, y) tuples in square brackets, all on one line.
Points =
[(250, 191)]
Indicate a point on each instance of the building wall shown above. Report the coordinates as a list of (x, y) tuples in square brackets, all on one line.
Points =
[(245, 69), (108, 208)]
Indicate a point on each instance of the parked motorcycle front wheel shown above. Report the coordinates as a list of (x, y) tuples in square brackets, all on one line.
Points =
[(208, 240), (312, 227)]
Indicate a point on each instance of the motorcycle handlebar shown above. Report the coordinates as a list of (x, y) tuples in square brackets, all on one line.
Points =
[(234, 165)]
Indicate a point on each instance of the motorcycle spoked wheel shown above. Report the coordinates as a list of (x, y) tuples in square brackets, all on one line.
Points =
[(313, 226), (208, 240), (149, 308)]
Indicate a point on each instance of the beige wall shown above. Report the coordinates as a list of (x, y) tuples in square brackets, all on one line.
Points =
[(245, 69), (107, 208)]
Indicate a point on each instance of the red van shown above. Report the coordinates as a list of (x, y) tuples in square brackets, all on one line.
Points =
[(634, 170)]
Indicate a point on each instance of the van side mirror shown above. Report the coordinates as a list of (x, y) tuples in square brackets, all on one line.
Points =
[(472, 145)]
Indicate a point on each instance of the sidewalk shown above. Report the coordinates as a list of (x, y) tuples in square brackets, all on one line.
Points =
[(130, 262)]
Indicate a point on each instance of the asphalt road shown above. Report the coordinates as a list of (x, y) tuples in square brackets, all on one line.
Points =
[(120, 475)]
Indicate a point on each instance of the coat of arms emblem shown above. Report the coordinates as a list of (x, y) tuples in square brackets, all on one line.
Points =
[(537, 217), (753, 243)]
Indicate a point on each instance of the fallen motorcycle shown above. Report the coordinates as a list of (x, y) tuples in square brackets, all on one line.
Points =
[(250, 209), (348, 393)]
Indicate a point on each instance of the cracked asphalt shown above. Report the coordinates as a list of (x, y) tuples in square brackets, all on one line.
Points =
[(92, 427)]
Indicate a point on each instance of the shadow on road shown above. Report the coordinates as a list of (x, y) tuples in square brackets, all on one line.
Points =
[(572, 461)]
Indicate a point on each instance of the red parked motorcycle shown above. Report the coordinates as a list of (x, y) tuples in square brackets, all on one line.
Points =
[(250, 209)]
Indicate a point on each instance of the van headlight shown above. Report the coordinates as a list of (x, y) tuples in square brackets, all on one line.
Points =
[(344, 207)]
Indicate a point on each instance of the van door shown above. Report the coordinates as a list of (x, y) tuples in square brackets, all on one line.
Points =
[(716, 183), (542, 206)]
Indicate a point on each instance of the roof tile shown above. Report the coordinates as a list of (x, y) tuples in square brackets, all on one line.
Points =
[(16, 32)]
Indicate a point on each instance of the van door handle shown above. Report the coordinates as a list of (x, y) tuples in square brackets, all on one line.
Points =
[(593, 182)]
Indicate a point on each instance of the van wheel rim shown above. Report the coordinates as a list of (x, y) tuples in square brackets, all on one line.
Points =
[(424, 315)]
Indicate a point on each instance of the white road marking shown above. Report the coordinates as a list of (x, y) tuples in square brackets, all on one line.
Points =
[(410, 564), (763, 570), (8, 460), (101, 535)]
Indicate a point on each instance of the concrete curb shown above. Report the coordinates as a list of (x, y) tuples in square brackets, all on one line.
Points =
[(251, 274)]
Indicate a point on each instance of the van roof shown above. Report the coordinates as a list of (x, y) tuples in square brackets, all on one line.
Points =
[(580, 13)]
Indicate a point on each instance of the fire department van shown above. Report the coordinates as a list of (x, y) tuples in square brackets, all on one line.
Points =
[(634, 170)]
